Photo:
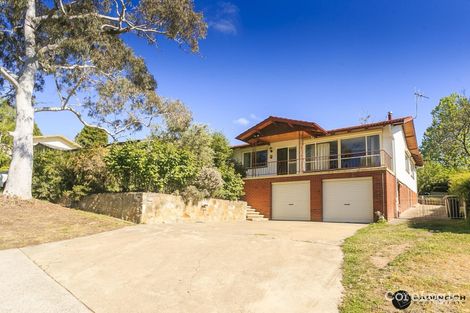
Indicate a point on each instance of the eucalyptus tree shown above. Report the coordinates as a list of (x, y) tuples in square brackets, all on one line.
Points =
[(78, 47)]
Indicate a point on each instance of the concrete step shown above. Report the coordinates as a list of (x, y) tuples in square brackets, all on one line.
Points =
[(254, 216), (258, 219)]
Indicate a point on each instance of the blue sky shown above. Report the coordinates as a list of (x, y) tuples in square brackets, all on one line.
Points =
[(327, 61)]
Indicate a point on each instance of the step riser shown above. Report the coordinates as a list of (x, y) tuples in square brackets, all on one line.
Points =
[(254, 216)]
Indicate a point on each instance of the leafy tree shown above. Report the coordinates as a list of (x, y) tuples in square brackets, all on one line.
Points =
[(91, 137), (447, 140), (433, 177), (221, 147), (78, 45)]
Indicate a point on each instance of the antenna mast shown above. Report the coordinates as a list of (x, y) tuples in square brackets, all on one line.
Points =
[(418, 96)]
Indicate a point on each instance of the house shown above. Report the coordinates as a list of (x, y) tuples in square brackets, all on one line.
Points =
[(50, 142), (54, 142), (297, 170)]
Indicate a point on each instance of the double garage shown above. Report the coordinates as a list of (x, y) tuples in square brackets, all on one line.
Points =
[(343, 200)]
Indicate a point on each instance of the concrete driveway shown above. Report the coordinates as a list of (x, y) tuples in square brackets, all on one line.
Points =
[(223, 267)]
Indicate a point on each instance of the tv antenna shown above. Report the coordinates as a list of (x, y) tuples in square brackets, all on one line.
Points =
[(418, 96)]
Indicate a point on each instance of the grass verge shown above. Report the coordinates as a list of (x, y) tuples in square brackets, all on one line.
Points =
[(24, 223), (419, 257)]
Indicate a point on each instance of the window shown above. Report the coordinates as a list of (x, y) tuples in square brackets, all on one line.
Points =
[(261, 158), (352, 151), (373, 151), (407, 163), (321, 156), (360, 152), (247, 159), (255, 159)]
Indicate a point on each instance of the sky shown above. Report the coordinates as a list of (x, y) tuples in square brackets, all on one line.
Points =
[(328, 61)]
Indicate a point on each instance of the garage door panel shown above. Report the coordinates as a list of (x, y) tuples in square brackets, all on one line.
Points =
[(291, 201), (348, 200)]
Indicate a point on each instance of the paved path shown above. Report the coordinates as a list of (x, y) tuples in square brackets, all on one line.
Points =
[(225, 267), (24, 287)]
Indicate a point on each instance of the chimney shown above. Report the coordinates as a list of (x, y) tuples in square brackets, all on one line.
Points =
[(389, 115)]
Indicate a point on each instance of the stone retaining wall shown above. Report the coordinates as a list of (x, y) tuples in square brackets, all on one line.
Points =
[(154, 208)]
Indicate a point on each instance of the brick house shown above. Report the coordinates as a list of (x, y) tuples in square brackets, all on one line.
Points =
[(296, 170)]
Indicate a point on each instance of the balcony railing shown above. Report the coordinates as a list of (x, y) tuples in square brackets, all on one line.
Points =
[(320, 164)]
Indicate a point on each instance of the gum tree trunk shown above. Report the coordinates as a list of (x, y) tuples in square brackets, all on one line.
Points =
[(21, 168)]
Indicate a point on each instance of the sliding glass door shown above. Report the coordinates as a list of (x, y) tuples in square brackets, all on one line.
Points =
[(287, 161)]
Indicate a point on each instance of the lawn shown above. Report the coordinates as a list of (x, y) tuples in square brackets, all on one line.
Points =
[(24, 223), (419, 257)]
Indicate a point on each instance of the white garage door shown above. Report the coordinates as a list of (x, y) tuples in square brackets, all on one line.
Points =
[(348, 200), (291, 201)]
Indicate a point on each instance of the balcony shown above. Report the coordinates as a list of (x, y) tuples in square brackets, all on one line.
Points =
[(321, 164)]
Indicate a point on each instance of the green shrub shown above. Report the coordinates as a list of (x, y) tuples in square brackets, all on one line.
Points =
[(50, 174), (154, 166), (460, 185), (433, 177)]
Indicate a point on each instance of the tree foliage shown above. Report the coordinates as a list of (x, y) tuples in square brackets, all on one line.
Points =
[(460, 185), (91, 137), (433, 177), (78, 45), (447, 140), (154, 166)]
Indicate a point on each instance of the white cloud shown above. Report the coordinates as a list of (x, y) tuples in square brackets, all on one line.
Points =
[(253, 117), (242, 121), (225, 18), (224, 26)]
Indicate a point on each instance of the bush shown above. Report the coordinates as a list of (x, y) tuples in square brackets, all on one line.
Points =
[(209, 180), (154, 166), (49, 174), (460, 185), (433, 177), (233, 183)]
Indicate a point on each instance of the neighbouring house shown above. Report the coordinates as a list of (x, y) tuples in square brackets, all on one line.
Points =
[(54, 142), (51, 142), (297, 170)]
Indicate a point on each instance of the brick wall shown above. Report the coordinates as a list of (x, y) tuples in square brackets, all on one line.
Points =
[(408, 198), (258, 191)]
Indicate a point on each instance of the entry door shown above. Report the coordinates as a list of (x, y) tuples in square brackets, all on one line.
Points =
[(291, 201), (287, 161), (348, 200)]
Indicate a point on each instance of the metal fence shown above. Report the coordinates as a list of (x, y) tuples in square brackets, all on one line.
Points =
[(440, 207)]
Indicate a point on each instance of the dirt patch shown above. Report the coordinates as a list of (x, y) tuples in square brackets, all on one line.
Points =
[(24, 223), (383, 258)]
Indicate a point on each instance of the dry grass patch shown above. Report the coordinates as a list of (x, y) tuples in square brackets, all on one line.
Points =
[(24, 223), (419, 257)]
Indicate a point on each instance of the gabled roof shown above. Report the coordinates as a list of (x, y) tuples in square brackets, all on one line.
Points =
[(273, 126)]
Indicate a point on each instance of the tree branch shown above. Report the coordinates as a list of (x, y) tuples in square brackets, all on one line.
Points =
[(79, 117), (12, 78)]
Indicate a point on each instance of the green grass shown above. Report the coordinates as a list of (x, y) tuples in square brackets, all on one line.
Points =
[(429, 257)]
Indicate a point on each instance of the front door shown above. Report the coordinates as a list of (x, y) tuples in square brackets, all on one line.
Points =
[(287, 161)]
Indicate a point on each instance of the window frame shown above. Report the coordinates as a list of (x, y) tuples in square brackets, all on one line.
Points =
[(252, 158)]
